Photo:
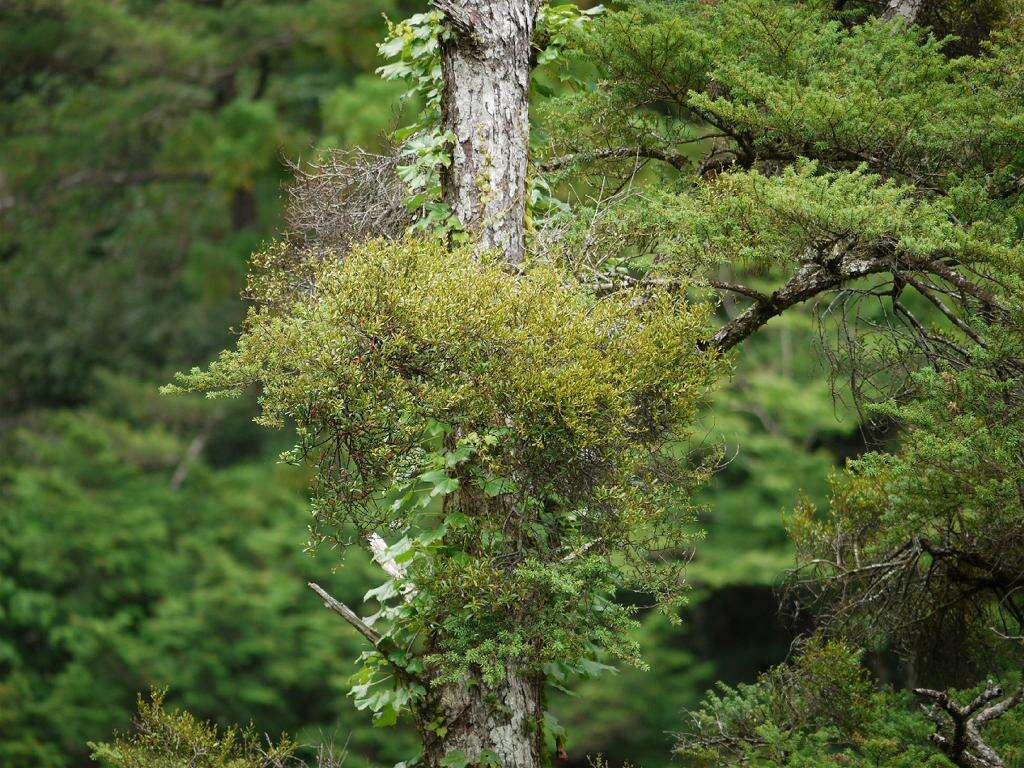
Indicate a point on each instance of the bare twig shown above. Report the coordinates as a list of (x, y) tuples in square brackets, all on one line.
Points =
[(941, 306), (192, 453), (345, 198), (670, 156), (347, 614)]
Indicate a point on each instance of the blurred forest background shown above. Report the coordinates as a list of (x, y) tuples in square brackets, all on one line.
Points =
[(147, 540)]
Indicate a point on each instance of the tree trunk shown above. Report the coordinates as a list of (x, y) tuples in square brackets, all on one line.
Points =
[(505, 719), (902, 9), (485, 105)]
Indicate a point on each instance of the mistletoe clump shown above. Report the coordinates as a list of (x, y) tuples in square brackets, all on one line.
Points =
[(522, 438)]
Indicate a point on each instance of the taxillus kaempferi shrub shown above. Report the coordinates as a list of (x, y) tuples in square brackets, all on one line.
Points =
[(520, 442)]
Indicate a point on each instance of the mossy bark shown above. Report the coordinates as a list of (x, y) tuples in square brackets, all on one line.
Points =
[(484, 723), (485, 105)]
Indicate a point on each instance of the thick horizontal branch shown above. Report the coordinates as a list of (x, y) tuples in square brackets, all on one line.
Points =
[(816, 276), (346, 613), (807, 282), (743, 290)]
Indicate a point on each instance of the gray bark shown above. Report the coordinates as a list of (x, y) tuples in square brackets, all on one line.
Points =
[(958, 732), (906, 10), (486, 70), (809, 281), (346, 613), (485, 105), (506, 719)]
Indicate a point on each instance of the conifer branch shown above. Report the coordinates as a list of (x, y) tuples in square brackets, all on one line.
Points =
[(962, 743), (740, 289), (807, 282)]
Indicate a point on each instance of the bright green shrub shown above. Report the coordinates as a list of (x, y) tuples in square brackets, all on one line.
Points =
[(164, 739)]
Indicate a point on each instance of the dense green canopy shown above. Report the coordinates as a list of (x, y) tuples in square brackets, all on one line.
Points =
[(825, 202)]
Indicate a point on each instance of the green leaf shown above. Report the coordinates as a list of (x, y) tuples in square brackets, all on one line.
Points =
[(459, 455), (385, 591), (386, 717), (591, 668), (435, 476), (455, 759), (456, 520), (498, 485)]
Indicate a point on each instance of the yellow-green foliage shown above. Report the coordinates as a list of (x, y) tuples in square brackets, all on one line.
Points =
[(537, 427), (163, 739), (397, 335)]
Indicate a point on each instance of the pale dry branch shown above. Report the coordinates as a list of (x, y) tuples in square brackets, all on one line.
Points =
[(345, 198), (346, 613)]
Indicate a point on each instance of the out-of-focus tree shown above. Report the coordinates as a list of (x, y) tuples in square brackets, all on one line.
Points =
[(127, 561), (143, 152)]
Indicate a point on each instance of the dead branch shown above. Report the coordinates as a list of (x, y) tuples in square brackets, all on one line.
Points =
[(958, 733), (345, 198), (346, 613), (670, 156)]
